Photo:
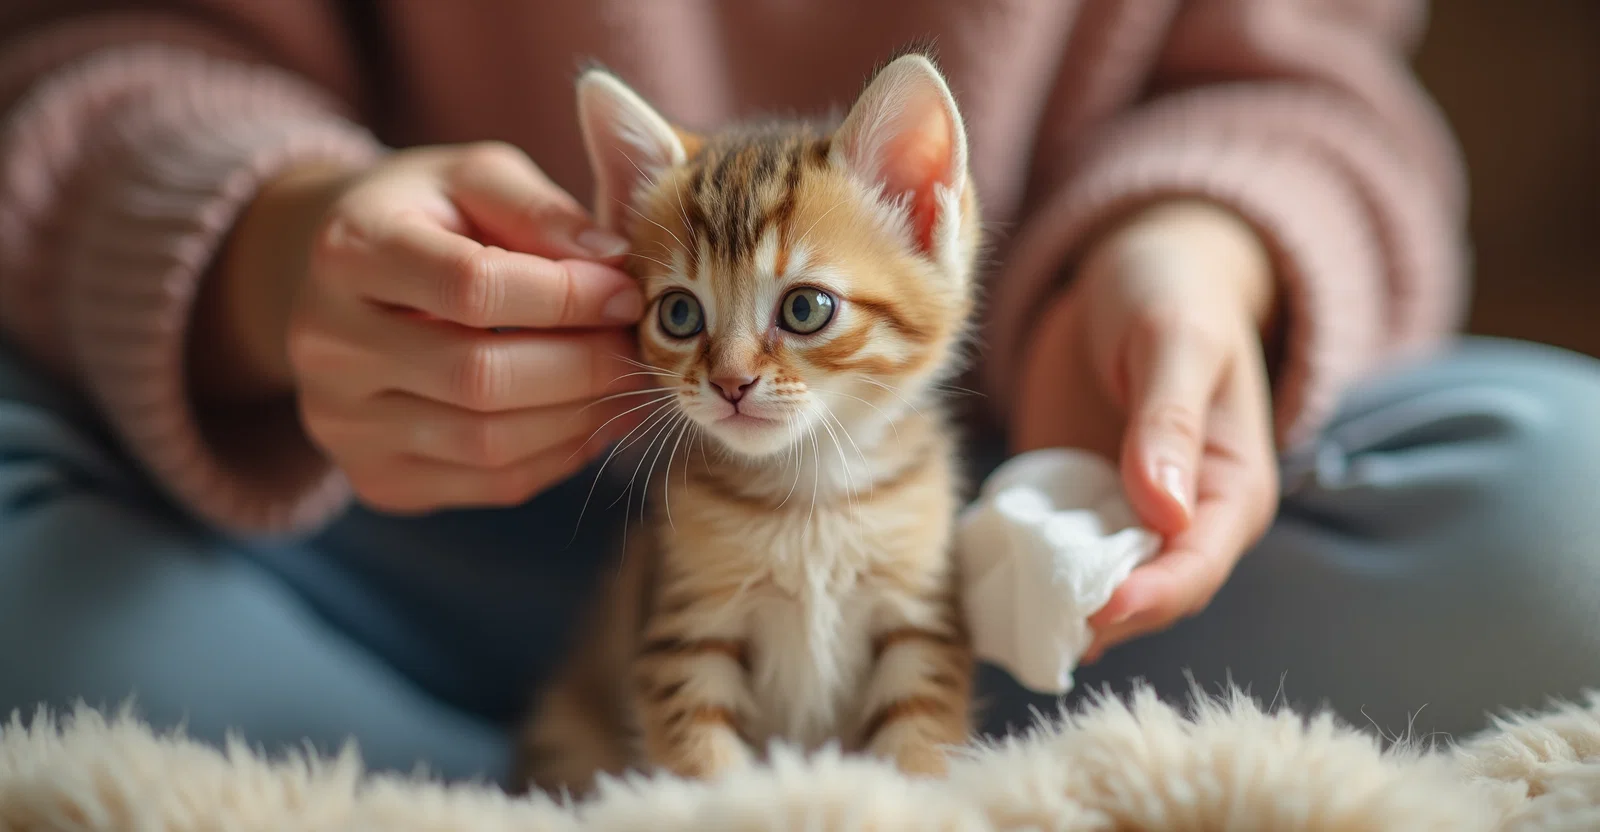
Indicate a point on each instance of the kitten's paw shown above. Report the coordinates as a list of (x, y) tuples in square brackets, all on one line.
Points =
[(916, 758), (710, 755)]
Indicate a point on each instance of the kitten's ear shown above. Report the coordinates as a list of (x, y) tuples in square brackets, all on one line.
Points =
[(905, 135), (628, 142)]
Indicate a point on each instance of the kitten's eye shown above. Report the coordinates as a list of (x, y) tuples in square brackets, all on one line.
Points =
[(679, 314), (806, 310)]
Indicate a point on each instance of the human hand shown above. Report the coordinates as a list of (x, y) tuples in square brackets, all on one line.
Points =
[(1154, 357), (371, 296)]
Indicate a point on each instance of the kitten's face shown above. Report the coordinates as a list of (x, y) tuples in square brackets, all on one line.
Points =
[(798, 284)]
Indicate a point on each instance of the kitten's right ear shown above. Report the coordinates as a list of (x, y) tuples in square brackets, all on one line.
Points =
[(629, 144), (905, 136)]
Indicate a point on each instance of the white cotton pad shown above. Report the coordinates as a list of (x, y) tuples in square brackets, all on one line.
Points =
[(1048, 540)]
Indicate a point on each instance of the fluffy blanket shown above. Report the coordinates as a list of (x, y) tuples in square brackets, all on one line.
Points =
[(1138, 764)]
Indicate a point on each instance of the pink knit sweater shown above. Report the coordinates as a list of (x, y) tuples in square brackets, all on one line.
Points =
[(132, 140)]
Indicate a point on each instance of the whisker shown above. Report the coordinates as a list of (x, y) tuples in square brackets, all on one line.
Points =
[(683, 214), (656, 431), (615, 449), (604, 399), (643, 366), (694, 436), (794, 454), (837, 446), (849, 480), (816, 474), (667, 266), (652, 416), (651, 474), (893, 391), (653, 184), (951, 388), (894, 424), (643, 373), (647, 219), (846, 431), (850, 485), (666, 478), (668, 397), (642, 175)]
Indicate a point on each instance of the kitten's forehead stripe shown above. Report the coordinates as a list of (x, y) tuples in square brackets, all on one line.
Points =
[(744, 184), (784, 212)]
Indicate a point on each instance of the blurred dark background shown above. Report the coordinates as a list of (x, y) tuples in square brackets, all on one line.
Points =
[(1520, 82)]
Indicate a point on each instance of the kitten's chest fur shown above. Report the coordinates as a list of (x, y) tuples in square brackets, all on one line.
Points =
[(807, 587), (815, 587)]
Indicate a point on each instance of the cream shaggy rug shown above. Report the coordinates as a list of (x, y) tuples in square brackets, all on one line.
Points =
[(1135, 765)]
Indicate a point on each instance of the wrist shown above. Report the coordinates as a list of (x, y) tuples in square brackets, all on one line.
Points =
[(1217, 245), (237, 345)]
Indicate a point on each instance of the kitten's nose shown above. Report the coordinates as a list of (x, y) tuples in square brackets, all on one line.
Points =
[(734, 387)]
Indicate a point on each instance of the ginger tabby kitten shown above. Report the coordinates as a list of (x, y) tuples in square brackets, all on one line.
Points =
[(806, 292)]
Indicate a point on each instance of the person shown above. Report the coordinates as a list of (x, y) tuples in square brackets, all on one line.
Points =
[(268, 466)]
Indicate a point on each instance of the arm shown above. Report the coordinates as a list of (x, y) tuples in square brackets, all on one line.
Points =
[(130, 144), (1302, 119)]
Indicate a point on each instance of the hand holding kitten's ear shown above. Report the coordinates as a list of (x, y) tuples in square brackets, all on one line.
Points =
[(394, 275)]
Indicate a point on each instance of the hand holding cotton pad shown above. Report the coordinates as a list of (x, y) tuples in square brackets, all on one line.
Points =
[(1044, 546)]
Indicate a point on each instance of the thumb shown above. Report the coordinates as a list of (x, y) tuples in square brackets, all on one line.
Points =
[(1171, 381)]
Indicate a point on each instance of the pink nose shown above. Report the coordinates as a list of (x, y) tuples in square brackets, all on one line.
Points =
[(734, 388)]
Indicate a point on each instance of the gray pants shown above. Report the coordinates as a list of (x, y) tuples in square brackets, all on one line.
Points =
[(1436, 557)]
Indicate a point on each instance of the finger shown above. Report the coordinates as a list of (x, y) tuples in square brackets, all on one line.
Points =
[(1238, 497), (1172, 379), (489, 372), (1173, 585), (420, 265), (443, 433), (422, 485), (505, 195)]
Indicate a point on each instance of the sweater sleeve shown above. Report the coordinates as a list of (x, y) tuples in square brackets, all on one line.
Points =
[(1304, 119), (128, 147)]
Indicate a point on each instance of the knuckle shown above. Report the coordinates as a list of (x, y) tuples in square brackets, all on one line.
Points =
[(334, 242), (481, 377), (1175, 420), (473, 291), (489, 156), (566, 288)]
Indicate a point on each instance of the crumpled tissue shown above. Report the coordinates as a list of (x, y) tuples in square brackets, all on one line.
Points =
[(1043, 547)]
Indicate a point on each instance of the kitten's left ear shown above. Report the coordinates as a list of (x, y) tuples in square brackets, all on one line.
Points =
[(629, 144), (905, 135)]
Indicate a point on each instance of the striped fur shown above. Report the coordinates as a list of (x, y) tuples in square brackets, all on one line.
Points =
[(794, 581)]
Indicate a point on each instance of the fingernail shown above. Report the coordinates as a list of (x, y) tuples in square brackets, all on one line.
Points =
[(1172, 481), (603, 243), (624, 307)]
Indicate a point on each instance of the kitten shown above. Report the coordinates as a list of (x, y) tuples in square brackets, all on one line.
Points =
[(807, 290)]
